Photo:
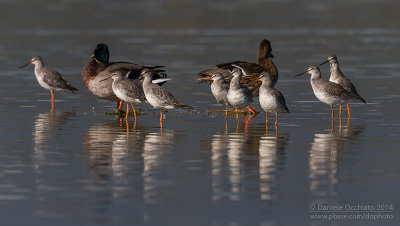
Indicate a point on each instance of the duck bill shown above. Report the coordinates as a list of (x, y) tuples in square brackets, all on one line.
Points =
[(92, 56), (105, 79), (25, 64), (324, 62), (301, 73)]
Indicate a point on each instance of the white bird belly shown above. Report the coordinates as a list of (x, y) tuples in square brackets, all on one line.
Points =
[(329, 99), (270, 104)]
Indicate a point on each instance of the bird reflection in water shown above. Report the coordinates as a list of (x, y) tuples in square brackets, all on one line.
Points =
[(271, 155), (123, 159), (110, 154), (155, 148), (47, 152), (234, 161), (324, 158), (46, 127)]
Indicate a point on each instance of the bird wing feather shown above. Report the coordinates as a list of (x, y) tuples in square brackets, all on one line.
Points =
[(54, 79), (279, 96), (338, 91), (164, 97), (133, 91)]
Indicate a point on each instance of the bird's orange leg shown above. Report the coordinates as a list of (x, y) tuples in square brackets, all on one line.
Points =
[(252, 110), (226, 117), (161, 119), (332, 120), (237, 125), (340, 116), (348, 110), (127, 128), (52, 100), (266, 121), (134, 111), (120, 104), (246, 125), (127, 111), (276, 125)]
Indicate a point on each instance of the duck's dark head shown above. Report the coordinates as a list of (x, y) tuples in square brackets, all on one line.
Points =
[(265, 49), (101, 53)]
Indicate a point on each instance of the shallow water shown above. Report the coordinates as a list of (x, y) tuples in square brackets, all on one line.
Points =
[(80, 166)]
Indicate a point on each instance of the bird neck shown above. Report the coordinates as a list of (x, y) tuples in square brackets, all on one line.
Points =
[(262, 61), (269, 65), (38, 64), (235, 82), (264, 50), (266, 83), (147, 79), (335, 70), (315, 76), (92, 69)]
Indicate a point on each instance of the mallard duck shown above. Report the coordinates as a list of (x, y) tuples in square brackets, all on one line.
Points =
[(100, 68), (251, 71)]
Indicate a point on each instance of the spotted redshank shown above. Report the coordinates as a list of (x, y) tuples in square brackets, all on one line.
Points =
[(49, 78), (127, 91), (271, 100), (157, 96), (338, 78), (219, 88), (329, 92), (238, 95)]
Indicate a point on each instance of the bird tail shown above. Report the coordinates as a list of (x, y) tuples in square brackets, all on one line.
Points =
[(287, 109), (359, 99), (185, 107), (73, 89)]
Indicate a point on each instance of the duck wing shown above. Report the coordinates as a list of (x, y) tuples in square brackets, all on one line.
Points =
[(247, 68)]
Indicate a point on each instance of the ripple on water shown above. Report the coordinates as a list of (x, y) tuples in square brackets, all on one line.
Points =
[(13, 197)]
